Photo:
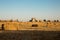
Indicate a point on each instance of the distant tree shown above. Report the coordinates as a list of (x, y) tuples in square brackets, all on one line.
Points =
[(30, 20), (39, 20), (48, 21), (57, 20), (54, 20), (44, 20)]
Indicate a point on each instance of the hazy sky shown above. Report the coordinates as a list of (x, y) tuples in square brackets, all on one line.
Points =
[(26, 9)]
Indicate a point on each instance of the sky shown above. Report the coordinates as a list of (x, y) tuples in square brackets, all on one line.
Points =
[(26, 9)]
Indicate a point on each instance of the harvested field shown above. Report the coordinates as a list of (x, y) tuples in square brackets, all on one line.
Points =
[(29, 35)]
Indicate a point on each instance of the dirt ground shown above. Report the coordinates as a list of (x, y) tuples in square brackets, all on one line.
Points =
[(29, 35)]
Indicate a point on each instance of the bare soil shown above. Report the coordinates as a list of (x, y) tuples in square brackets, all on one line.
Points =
[(30, 35)]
